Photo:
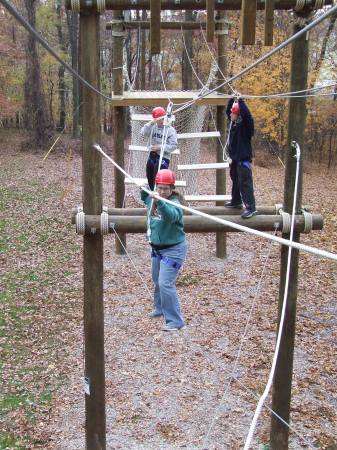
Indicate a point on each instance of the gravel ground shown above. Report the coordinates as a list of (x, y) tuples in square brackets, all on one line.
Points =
[(171, 391)]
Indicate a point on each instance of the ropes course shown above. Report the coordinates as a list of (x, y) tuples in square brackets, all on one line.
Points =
[(189, 119)]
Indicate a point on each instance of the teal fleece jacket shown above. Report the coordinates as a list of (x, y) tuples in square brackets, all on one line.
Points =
[(167, 228)]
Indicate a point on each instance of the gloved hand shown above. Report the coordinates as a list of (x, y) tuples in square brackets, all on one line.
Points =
[(229, 160)]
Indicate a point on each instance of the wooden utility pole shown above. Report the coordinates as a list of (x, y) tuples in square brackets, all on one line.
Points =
[(118, 121), (281, 394), (92, 243), (142, 67), (221, 239), (186, 68)]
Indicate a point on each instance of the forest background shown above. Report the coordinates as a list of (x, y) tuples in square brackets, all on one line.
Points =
[(39, 95)]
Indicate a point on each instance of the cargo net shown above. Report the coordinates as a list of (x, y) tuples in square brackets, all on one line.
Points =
[(189, 120)]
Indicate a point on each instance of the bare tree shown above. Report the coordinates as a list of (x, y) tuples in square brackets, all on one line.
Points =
[(36, 116)]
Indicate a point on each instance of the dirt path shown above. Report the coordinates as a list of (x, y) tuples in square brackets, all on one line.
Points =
[(166, 391)]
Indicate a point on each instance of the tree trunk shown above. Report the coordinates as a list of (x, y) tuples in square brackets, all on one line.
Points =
[(73, 27), (36, 116), (61, 71)]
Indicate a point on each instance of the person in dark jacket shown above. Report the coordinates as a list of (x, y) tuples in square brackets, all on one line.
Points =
[(240, 152), (169, 247)]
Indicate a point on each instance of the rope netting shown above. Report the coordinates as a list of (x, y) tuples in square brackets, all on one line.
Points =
[(190, 120)]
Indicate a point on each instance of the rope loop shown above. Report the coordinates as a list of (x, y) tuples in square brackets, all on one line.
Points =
[(80, 221), (278, 206), (286, 221), (75, 5), (104, 222), (307, 221)]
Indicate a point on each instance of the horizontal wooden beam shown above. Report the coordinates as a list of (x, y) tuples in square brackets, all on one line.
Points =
[(162, 98), (212, 210), (208, 198), (143, 148), (206, 166), (184, 4), (143, 181), (145, 25), (198, 134), (196, 224)]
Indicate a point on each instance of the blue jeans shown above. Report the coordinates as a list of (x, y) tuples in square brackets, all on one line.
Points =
[(166, 300)]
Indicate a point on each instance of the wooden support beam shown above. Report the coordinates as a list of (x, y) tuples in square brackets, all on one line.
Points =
[(281, 392), (95, 428), (248, 22), (200, 134), (143, 181), (162, 98), (155, 27), (212, 210), (197, 224), (269, 22), (143, 148), (119, 121), (208, 198), (216, 166), (221, 238), (145, 25), (220, 5), (210, 20)]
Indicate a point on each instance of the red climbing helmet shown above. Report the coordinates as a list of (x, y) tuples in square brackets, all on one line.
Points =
[(235, 109), (165, 176), (158, 112)]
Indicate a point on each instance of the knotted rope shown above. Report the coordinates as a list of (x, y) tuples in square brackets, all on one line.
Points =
[(80, 221)]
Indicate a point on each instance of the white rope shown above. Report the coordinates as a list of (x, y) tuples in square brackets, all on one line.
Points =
[(80, 221), (243, 337), (283, 311), (132, 262), (104, 222), (291, 428), (307, 221), (319, 4), (236, 226), (75, 5), (286, 221), (263, 58), (300, 4), (100, 5)]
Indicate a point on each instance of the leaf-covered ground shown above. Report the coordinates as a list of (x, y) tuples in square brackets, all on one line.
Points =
[(163, 391)]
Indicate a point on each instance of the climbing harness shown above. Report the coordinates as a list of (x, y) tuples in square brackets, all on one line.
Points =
[(168, 261)]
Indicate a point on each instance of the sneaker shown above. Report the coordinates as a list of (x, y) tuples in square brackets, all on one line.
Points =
[(170, 328), (233, 205), (248, 213), (155, 313)]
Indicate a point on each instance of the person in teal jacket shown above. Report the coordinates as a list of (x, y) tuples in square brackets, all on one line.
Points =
[(169, 247)]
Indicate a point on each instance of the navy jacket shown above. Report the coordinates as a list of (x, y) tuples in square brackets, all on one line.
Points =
[(241, 133)]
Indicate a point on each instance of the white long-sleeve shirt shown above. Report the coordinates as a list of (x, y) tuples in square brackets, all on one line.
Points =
[(155, 135)]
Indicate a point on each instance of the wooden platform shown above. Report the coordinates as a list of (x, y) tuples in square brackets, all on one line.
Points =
[(207, 198), (143, 148), (206, 166), (143, 181), (161, 98)]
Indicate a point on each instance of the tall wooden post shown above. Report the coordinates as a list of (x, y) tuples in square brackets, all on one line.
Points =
[(281, 394), (221, 247), (119, 121), (93, 243), (142, 67), (186, 69)]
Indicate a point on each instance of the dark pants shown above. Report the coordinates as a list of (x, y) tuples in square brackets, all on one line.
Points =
[(242, 189), (152, 167)]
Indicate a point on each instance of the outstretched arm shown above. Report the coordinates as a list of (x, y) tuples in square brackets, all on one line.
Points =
[(229, 107)]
